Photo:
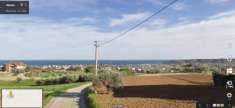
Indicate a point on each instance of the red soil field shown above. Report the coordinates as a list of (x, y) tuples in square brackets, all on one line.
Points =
[(164, 91)]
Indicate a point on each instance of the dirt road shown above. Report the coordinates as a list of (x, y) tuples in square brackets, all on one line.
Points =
[(73, 98)]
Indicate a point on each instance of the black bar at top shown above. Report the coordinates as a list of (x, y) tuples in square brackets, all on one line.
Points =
[(14, 7)]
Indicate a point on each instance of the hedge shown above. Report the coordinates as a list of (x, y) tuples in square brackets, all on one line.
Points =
[(65, 79)]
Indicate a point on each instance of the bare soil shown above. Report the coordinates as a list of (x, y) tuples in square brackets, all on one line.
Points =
[(164, 91)]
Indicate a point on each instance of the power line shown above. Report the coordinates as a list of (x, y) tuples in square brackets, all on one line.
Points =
[(140, 23), (128, 30)]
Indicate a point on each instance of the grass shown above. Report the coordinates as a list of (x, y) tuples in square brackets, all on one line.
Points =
[(16, 84), (92, 101), (49, 74), (49, 91), (53, 90)]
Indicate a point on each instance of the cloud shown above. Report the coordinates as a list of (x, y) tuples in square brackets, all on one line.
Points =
[(28, 37), (204, 39), (127, 18), (223, 14), (155, 2), (159, 23), (183, 21), (61, 3), (84, 20), (217, 1), (179, 6)]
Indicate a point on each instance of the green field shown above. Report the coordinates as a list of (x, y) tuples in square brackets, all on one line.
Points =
[(49, 91)]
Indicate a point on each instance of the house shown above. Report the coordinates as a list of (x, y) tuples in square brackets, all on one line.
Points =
[(14, 65), (229, 70)]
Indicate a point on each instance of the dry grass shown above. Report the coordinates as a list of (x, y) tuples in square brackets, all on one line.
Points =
[(7, 76)]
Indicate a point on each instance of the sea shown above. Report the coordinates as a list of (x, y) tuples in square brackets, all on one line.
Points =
[(84, 62)]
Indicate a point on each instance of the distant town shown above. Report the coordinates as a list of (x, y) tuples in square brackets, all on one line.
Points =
[(177, 66)]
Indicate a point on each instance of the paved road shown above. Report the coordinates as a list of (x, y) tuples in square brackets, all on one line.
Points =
[(73, 98)]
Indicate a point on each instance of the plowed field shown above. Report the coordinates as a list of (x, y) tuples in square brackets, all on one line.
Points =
[(164, 91)]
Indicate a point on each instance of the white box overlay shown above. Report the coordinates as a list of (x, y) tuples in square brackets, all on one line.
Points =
[(18, 98)]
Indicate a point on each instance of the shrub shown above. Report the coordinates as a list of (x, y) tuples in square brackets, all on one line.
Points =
[(115, 82), (73, 78), (17, 71), (28, 68), (90, 69), (99, 86), (105, 78), (49, 81), (86, 77), (91, 99), (127, 72), (18, 79), (111, 80), (65, 79), (74, 68), (40, 82), (153, 71), (97, 82)]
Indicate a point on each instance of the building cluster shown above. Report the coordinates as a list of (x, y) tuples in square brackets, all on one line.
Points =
[(59, 67), (56, 67), (142, 68), (16, 65)]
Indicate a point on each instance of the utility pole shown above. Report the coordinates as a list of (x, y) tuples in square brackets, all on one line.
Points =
[(96, 57), (229, 60), (97, 44)]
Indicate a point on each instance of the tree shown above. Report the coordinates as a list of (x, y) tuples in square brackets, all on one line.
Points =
[(90, 69), (76, 68), (28, 69), (17, 71)]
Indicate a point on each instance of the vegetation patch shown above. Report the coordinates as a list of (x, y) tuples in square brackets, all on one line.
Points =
[(65, 80), (127, 72), (107, 81), (91, 99)]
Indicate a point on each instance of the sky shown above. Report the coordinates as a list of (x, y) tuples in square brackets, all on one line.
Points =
[(67, 29)]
